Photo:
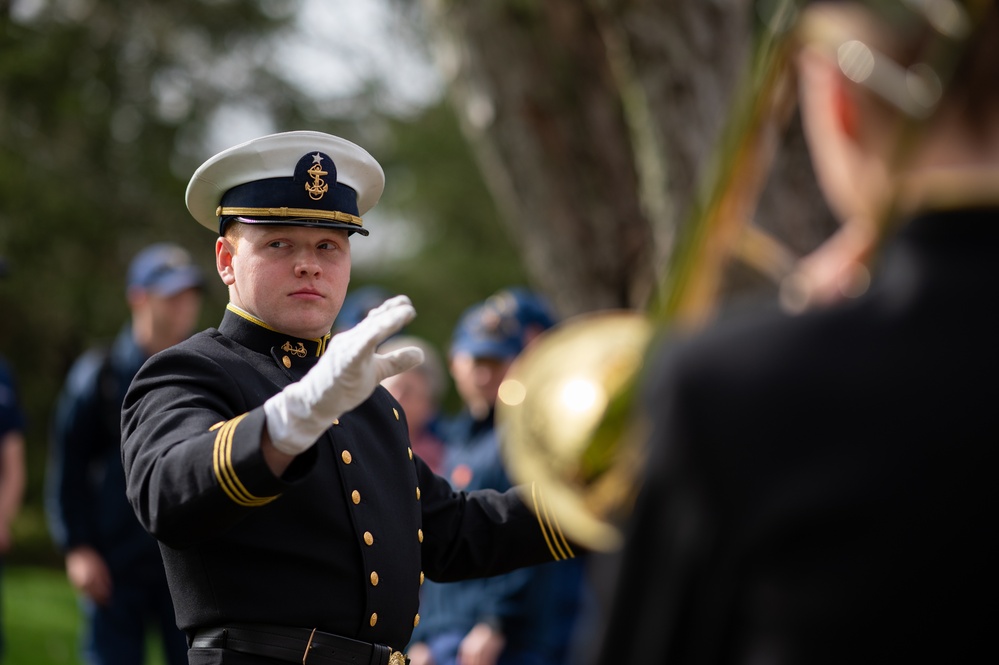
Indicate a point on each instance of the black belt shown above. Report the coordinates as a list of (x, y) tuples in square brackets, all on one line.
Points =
[(296, 645)]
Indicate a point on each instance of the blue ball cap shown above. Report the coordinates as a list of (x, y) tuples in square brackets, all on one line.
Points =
[(484, 331), (164, 269), (529, 307), (301, 178), (357, 304)]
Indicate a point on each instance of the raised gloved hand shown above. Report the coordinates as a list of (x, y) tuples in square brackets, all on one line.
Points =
[(344, 377)]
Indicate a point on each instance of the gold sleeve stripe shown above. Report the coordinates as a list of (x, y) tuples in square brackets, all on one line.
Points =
[(550, 529), (224, 471)]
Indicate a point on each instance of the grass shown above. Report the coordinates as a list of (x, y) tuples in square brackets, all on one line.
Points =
[(42, 621)]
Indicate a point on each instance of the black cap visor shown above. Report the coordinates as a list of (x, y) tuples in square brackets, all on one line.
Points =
[(284, 221)]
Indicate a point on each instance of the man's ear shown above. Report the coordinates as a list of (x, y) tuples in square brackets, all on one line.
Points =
[(844, 105), (225, 251), (827, 96)]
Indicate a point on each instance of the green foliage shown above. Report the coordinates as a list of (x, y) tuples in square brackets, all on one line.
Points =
[(86, 150), (42, 621)]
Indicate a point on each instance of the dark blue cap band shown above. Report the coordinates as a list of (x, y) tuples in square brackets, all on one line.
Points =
[(311, 197)]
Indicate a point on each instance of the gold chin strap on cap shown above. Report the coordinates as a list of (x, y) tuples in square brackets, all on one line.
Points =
[(293, 213)]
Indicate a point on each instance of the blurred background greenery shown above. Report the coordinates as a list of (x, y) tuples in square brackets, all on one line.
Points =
[(556, 144), (42, 623)]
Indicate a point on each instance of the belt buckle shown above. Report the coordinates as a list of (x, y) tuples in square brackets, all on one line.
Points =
[(395, 658)]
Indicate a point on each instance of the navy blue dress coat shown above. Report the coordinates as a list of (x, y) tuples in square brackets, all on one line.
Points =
[(342, 541)]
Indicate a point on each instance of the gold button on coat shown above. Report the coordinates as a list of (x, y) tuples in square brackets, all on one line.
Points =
[(355, 496), (368, 538), (374, 618), (419, 534), (345, 456), (286, 361), (417, 493), (421, 578), (374, 578), (396, 412), (416, 621), (410, 453)]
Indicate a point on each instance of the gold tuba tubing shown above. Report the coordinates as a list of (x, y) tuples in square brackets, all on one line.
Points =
[(564, 413)]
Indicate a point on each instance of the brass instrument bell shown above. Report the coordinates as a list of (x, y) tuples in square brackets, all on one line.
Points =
[(552, 403)]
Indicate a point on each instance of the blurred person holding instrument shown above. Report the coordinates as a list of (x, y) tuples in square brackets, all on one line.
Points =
[(819, 485)]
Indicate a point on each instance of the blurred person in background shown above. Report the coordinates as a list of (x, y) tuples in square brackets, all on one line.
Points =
[(420, 391), (524, 617), (110, 559), (12, 466), (357, 304), (531, 309), (820, 487)]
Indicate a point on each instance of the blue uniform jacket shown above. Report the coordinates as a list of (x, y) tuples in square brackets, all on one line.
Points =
[(85, 484)]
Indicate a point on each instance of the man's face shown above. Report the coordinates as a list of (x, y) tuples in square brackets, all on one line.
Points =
[(293, 278), (174, 317), (477, 380), (159, 321)]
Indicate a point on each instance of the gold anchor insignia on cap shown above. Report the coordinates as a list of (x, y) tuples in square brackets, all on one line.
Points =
[(299, 350), (318, 186)]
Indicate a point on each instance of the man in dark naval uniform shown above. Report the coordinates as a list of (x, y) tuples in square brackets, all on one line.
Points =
[(295, 523), (821, 485)]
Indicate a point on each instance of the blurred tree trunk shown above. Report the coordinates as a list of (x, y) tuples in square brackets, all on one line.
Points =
[(593, 121)]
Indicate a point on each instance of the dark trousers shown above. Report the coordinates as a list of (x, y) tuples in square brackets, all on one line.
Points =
[(227, 657), (116, 634)]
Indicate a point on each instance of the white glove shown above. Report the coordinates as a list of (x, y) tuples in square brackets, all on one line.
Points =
[(344, 377)]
